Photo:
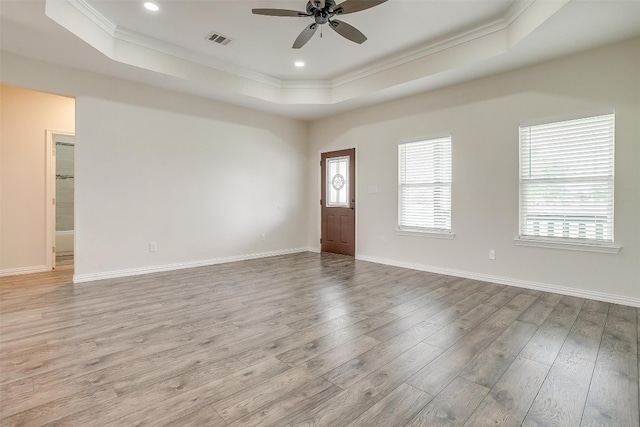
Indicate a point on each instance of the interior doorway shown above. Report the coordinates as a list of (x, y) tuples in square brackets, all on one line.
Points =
[(338, 219), (62, 190)]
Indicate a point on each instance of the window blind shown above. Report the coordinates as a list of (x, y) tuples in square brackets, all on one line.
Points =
[(425, 185), (566, 180)]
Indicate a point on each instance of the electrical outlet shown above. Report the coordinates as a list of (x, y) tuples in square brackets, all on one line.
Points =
[(153, 247), (262, 237), (492, 254)]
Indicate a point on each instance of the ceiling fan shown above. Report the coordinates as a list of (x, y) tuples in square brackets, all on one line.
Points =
[(323, 12)]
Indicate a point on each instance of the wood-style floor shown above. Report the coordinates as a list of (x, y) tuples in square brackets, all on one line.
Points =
[(311, 340), (64, 261)]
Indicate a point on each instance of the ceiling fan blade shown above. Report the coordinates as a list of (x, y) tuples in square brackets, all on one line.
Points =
[(347, 31), (278, 12), (350, 6), (305, 35)]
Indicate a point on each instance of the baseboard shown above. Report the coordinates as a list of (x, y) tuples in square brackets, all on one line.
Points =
[(80, 278), (314, 250), (23, 270), (563, 290)]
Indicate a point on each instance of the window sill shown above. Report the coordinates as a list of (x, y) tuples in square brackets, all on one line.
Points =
[(428, 234), (584, 247)]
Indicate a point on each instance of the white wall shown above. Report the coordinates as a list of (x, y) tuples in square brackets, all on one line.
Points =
[(25, 116), (483, 117), (64, 242), (200, 187), (202, 179), (205, 179)]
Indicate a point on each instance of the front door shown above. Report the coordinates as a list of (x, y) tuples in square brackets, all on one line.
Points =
[(338, 202)]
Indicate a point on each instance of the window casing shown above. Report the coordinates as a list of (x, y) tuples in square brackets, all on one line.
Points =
[(566, 181), (424, 183)]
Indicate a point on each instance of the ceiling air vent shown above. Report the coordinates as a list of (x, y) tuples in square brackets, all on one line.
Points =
[(216, 37)]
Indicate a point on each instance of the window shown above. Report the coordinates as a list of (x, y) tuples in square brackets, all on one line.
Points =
[(425, 185), (338, 182), (566, 181)]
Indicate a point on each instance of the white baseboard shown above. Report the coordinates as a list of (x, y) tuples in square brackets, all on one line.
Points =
[(23, 270), (79, 278), (581, 293), (314, 250), (64, 241)]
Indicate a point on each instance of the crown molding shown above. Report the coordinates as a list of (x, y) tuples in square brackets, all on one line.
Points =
[(516, 9), (95, 16), (462, 49), (307, 84), (133, 37), (167, 48), (141, 40), (433, 47)]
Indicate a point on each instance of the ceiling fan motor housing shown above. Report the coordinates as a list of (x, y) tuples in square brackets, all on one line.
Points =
[(321, 16), (322, 12)]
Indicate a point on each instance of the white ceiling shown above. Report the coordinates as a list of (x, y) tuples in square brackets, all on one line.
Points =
[(413, 45), (263, 43)]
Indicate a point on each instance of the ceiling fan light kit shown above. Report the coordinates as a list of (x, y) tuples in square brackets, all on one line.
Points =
[(324, 12)]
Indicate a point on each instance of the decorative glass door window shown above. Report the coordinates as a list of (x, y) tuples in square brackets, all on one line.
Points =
[(338, 182)]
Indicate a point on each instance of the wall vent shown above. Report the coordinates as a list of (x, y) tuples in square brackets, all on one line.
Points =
[(216, 37)]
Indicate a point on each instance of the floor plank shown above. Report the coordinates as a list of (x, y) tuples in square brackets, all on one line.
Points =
[(202, 417), (509, 400), (243, 403), (310, 340), (561, 398), (613, 394), (546, 343), (438, 374), (308, 395), (452, 407), (363, 394), (395, 409), (487, 368)]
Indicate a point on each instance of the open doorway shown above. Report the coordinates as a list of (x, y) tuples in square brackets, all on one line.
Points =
[(29, 120), (61, 177)]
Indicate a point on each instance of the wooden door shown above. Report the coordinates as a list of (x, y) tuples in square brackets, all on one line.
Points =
[(338, 218)]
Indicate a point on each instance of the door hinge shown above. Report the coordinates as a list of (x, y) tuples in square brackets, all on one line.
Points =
[(53, 201), (53, 249), (320, 240), (320, 202), (320, 163)]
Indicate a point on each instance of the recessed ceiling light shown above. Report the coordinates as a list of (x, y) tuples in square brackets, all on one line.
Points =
[(299, 64), (151, 6)]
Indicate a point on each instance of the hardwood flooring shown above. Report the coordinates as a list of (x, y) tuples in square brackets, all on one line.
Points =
[(64, 261), (310, 340)]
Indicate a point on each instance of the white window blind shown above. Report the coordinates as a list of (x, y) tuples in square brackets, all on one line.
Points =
[(566, 180), (425, 185)]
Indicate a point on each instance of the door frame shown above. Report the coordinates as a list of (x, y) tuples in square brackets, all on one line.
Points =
[(320, 195), (50, 194)]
